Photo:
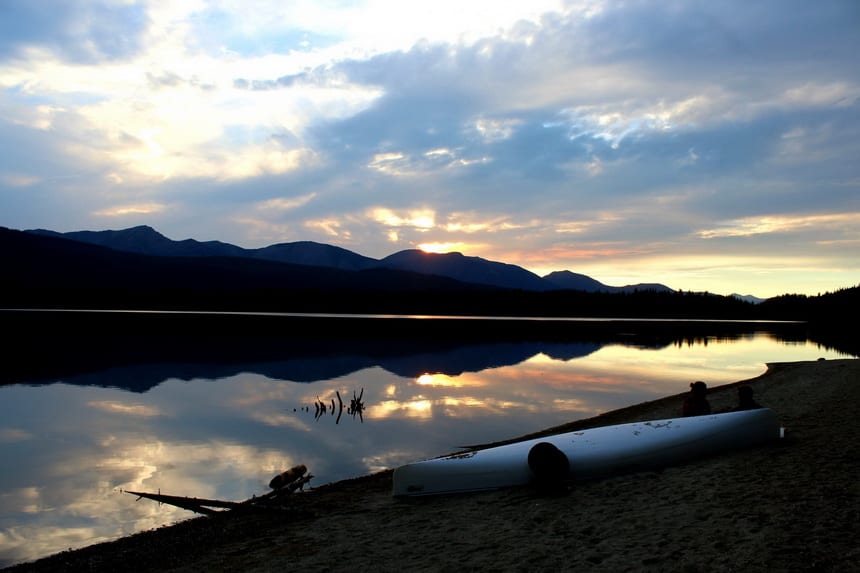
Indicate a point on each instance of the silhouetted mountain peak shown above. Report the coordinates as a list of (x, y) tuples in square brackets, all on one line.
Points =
[(417, 256), (142, 230), (748, 298), (315, 254), (145, 240), (141, 233), (467, 269), (574, 281)]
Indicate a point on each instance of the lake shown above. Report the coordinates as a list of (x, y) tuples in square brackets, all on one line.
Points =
[(100, 403)]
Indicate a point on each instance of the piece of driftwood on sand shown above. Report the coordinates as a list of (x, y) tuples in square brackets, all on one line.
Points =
[(282, 486)]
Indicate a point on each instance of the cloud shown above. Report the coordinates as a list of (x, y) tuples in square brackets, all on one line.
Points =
[(123, 409), (11, 435), (419, 219), (286, 204), (136, 209), (751, 226)]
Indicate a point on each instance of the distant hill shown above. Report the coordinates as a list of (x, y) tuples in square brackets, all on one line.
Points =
[(467, 269), (574, 281), (748, 298), (314, 254), (145, 240)]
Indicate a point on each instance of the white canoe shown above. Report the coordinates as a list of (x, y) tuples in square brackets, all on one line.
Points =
[(592, 453)]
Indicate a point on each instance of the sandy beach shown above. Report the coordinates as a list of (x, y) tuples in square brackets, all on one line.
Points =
[(791, 506)]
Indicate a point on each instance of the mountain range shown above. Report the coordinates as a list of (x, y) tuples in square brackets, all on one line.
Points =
[(144, 240)]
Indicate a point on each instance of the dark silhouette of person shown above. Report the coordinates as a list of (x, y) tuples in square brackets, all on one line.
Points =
[(696, 403), (746, 400), (550, 467)]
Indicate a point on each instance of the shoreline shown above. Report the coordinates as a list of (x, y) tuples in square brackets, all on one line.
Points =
[(791, 506)]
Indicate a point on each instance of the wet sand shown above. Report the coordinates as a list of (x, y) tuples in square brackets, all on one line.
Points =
[(791, 506)]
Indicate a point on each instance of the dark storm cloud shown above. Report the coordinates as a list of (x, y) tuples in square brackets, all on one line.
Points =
[(74, 30)]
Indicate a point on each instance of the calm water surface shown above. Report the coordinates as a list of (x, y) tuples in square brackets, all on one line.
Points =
[(69, 446)]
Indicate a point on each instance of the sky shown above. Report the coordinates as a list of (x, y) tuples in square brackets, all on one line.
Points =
[(709, 146)]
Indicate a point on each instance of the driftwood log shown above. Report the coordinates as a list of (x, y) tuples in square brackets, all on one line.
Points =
[(288, 477), (282, 486)]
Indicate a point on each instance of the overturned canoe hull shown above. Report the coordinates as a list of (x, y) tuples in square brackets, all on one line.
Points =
[(592, 453)]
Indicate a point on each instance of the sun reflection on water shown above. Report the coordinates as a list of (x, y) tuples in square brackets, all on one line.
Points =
[(450, 381)]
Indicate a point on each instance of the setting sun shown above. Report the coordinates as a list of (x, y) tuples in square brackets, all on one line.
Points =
[(439, 248)]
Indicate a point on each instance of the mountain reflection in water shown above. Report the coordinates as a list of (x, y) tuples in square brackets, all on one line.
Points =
[(137, 352), (323, 363)]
